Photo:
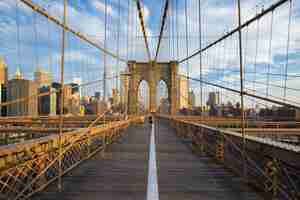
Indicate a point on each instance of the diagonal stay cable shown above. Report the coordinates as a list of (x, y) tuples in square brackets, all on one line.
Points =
[(43, 12), (162, 27), (143, 27), (235, 30)]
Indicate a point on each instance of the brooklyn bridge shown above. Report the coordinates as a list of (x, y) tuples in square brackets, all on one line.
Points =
[(141, 99)]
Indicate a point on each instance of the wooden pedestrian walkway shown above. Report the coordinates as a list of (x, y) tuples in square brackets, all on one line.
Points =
[(184, 175), (122, 172), (118, 174)]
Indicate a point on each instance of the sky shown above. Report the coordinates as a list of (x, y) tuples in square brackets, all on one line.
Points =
[(29, 41)]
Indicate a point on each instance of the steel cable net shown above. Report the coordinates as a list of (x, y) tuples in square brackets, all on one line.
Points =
[(268, 46), (100, 36)]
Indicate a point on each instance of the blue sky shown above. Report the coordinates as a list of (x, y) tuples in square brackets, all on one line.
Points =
[(29, 40)]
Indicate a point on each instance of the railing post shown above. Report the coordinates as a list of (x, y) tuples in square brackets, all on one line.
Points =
[(220, 148), (272, 172)]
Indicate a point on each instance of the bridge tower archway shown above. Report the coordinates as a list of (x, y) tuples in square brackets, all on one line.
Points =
[(152, 73)]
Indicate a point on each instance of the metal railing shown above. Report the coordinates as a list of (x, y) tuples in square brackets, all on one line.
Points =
[(29, 167), (271, 167)]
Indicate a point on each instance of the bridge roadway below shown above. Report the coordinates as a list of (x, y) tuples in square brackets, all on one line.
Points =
[(122, 172)]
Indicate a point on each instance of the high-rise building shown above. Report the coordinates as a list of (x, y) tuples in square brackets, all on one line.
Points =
[(67, 92), (18, 74), (42, 77), (213, 98), (3, 84), (26, 91), (3, 72), (3, 98), (47, 103), (182, 91), (192, 98), (124, 90)]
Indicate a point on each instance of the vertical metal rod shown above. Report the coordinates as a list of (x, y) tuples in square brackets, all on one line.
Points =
[(186, 35), (242, 89), (173, 28), (187, 50), (118, 45), (62, 96), (288, 48), (200, 47), (128, 24), (18, 35), (104, 55), (270, 55), (177, 36), (36, 40)]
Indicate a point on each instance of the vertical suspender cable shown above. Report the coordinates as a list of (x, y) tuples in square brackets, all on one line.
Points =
[(104, 55), (49, 44), (128, 25), (256, 54), (270, 54), (200, 56), (36, 40), (187, 47), (62, 95), (287, 49), (173, 29), (177, 36), (18, 34), (242, 90), (118, 42)]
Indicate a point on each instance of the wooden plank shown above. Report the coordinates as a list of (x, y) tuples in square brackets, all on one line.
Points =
[(119, 173), (184, 175)]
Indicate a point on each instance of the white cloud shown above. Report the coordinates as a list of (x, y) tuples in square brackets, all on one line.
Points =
[(100, 6)]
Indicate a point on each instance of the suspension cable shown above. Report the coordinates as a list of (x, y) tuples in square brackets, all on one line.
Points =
[(288, 46), (18, 35), (78, 34), (104, 55), (200, 55), (270, 54), (143, 27), (162, 27), (250, 21), (256, 52), (63, 43)]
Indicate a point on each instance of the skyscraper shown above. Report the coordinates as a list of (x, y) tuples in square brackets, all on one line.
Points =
[(3, 84), (3, 72), (213, 98), (26, 92), (47, 103), (192, 98), (42, 77), (18, 74)]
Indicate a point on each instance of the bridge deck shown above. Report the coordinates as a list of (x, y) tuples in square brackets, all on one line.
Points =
[(120, 173), (183, 175), (123, 172)]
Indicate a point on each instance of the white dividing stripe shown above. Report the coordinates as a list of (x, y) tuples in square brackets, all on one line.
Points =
[(152, 189)]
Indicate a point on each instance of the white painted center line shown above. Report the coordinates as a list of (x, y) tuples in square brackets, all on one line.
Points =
[(152, 189)]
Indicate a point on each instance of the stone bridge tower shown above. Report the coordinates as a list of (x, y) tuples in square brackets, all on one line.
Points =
[(152, 73)]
